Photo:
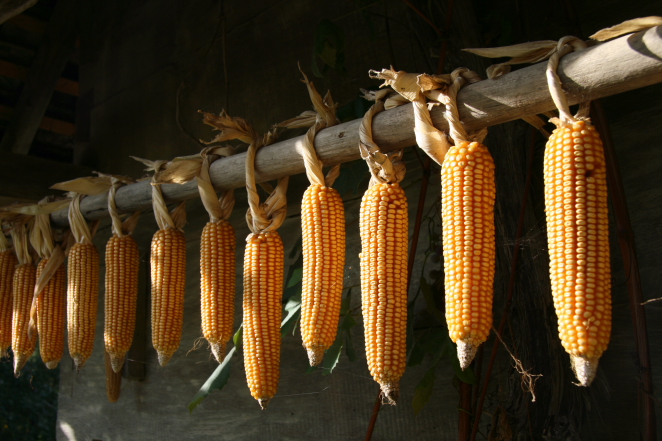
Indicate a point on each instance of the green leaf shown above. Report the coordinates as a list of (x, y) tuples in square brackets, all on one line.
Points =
[(349, 348), (217, 380), (423, 390), (296, 277), (236, 338), (466, 375), (331, 357), (293, 313), (329, 47), (430, 303)]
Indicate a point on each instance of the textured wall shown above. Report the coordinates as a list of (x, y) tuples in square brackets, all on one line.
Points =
[(135, 56)]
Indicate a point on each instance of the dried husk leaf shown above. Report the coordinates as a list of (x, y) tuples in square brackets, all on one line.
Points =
[(270, 215), (37, 209), (19, 236), (382, 168), (432, 140), (4, 243), (41, 236), (77, 223), (120, 228), (432, 82), (305, 120), (323, 116), (231, 128), (130, 223), (179, 171), (216, 208), (89, 185), (627, 27), (530, 49), (55, 260)]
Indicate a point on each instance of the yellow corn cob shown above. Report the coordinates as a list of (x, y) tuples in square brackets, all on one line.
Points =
[(217, 284), (384, 238), (578, 239), (263, 290), (168, 271), (122, 267), (113, 380), (323, 247), (7, 264), (25, 278), (51, 306), (468, 191), (82, 300)]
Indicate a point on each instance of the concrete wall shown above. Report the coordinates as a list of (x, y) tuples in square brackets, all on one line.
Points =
[(136, 56)]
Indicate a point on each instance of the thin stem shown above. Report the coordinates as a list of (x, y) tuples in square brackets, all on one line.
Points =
[(511, 284)]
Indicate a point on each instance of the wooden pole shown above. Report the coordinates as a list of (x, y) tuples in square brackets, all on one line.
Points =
[(620, 65)]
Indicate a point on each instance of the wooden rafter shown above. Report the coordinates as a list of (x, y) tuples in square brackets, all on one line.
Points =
[(56, 48)]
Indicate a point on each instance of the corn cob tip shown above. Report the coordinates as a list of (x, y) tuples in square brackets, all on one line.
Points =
[(218, 349), (4, 352), (264, 402), (116, 362), (164, 358), (466, 351), (584, 369), (79, 361), (315, 355), (390, 392), (19, 363), (52, 364)]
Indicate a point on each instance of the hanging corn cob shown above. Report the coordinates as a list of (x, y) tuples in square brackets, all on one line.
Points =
[(82, 287), (22, 288), (50, 292), (7, 265), (383, 224), (263, 265), (263, 283), (323, 235), (168, 271), (577, 228), (121, 284), (218, 245), (468, 195)]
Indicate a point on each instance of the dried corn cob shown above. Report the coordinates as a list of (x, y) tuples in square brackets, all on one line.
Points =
[(323, 247), (217, 284), (384, 240), (7, 264), (168, 272), (25, 278), (122, 267), (578, 239), (263, 289), (51, 307), (82, 300), (467, 201)]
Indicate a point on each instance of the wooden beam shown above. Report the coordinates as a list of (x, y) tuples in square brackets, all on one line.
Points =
[(627, 63), (11, 8), (11, 70), (29, 23), (54, 51), (26, 177), (47, 123)]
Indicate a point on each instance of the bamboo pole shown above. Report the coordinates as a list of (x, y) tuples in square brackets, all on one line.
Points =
[(627, 63)]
